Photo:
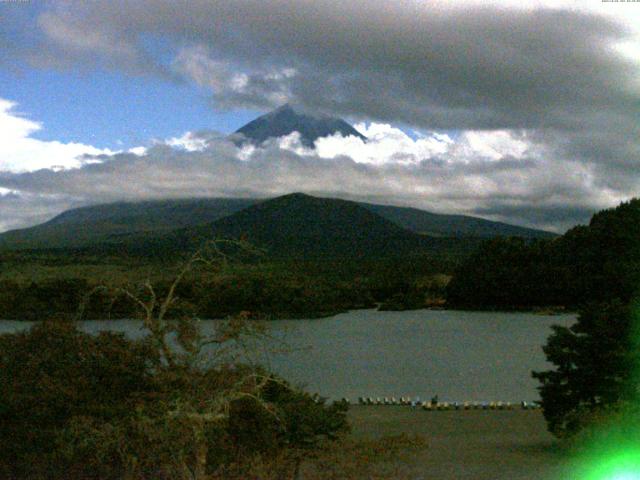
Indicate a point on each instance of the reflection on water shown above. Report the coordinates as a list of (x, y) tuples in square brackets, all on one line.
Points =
[(476, 356)]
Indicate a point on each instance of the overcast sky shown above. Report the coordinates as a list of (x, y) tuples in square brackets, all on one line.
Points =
[(525, 112)]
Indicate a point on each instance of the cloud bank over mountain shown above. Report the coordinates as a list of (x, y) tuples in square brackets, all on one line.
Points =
[(502, 175), (525, 112)]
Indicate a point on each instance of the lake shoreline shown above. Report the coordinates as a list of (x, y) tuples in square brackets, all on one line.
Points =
[(541, 311)]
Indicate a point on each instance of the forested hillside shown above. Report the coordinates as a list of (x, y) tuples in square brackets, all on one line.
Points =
[(590, 263)]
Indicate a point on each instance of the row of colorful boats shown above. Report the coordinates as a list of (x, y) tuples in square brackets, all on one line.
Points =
[(437, 405)]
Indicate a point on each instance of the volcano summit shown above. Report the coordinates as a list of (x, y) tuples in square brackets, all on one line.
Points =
[(288, 119)]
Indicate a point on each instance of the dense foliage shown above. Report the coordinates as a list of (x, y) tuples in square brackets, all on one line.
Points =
[(591, 263), (43, 287), (596, 366), (509, 273), (73, 405)]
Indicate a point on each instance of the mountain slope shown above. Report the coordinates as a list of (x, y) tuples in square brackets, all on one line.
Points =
[(83, 226), (438, 225), (300, 224), (294, 226), (286, 119), (112, 222)]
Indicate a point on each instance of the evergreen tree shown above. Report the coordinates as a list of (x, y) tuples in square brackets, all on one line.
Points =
[(596, 363)]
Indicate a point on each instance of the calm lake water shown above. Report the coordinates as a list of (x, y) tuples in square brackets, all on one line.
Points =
[(475, 356)]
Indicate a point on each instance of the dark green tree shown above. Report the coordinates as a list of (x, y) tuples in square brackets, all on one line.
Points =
[(508, 273), (596, 366)]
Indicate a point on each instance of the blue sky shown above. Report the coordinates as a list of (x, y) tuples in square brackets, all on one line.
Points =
[(105, 108)]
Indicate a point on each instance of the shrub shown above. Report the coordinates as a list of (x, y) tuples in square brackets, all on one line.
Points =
[(53, 374), (73, 405)]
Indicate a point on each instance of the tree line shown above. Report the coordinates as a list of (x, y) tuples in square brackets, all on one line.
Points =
[(593, 263), (267, 290)]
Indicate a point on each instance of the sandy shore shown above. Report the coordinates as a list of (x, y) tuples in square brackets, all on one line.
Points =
[(473, 445)]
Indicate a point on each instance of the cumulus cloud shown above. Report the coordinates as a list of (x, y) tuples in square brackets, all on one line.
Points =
[(20, 152), (189, 141), (386, 144), (492, 177)]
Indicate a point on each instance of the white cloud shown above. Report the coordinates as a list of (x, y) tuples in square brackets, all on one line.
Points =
[(20, 152), (492, 144), (5, 191), (387, 145), (535, 190), (138, 150), (189, 141)]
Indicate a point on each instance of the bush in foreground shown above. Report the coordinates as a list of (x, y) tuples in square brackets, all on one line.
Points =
[(74, 405)]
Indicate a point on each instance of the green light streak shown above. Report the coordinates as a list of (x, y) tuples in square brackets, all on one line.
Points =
[(620, 465), (613, 453)]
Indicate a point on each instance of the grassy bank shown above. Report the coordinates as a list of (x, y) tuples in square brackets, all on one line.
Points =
[(465, 445)]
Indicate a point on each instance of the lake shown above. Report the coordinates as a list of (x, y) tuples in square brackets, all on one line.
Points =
[(474, 356)]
